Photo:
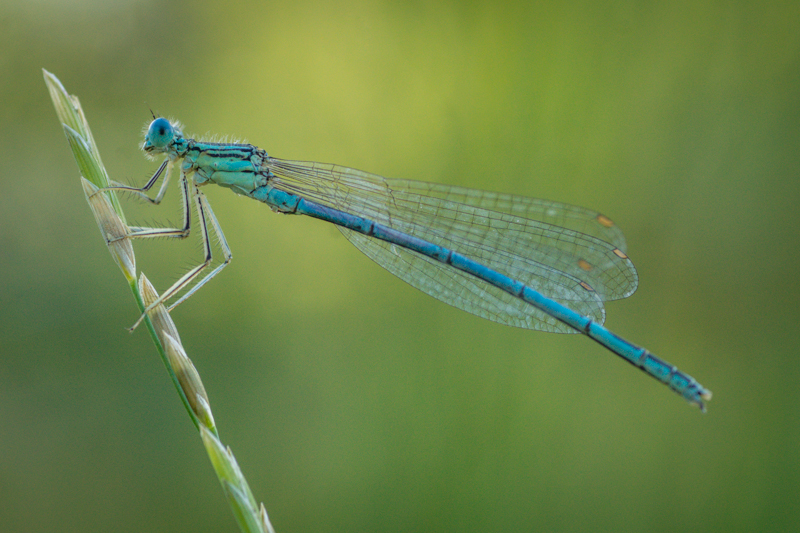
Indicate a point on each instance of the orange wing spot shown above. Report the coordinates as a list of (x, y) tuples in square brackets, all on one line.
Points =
[(584, 265), (586, 286), (605, 221), (619, 253)]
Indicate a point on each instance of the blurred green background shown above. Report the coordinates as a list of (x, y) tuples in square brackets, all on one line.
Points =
[(353, 402)]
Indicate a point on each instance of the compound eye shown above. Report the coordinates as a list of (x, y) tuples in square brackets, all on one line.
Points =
[(159, 134)]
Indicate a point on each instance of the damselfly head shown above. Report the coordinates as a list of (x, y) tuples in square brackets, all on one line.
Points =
[(160, 135)]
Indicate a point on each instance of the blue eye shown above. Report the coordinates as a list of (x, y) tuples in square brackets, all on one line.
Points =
[(159, 135)]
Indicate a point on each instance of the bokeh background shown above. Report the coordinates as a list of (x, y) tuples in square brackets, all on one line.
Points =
[(352, 401)]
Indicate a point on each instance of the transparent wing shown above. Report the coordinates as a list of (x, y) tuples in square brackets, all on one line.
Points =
[(570, 254)]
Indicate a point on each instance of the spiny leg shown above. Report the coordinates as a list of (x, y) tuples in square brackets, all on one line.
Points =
[(141, 192), (205, 215), (226, 250), (141, 232)]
